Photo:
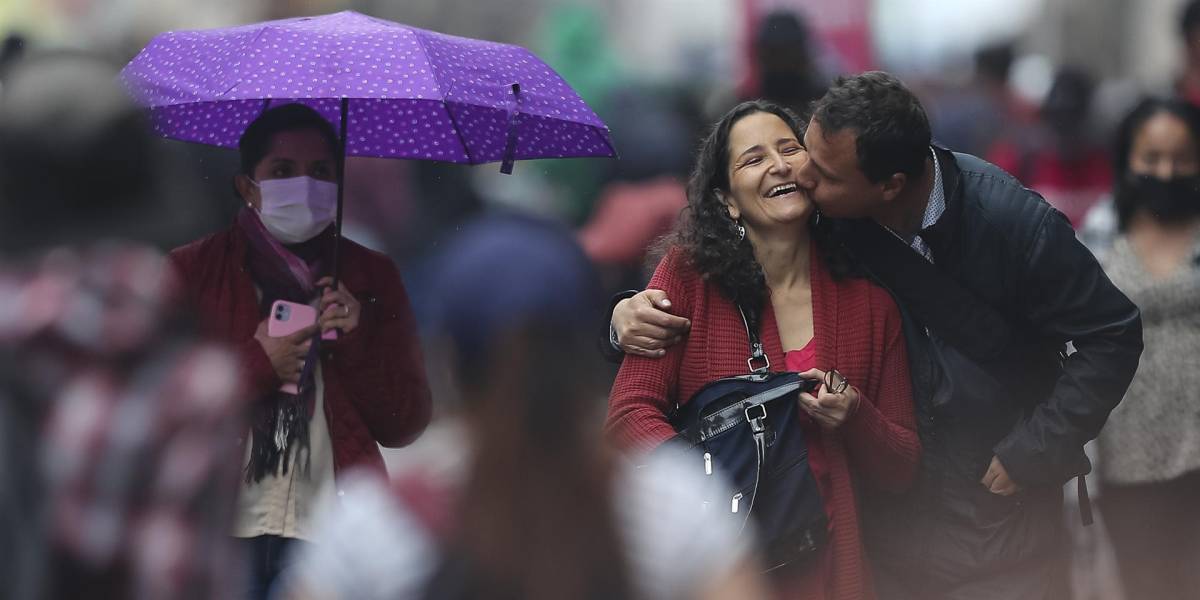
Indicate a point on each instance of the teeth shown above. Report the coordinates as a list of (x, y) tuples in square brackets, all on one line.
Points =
[(781, 189)]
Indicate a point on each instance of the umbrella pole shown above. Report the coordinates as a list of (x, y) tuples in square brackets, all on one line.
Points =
[(341, 188)]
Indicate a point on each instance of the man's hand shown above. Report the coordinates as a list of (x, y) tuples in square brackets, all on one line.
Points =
[(996, 480), (643, 325), (286, 353), (829, 410)]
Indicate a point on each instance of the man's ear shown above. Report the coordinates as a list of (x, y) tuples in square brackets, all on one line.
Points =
[(892, 186), (733, 211)]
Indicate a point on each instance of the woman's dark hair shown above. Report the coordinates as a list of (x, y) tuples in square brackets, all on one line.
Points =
[(518, 302), (710, 238), (256, 140), (1128, 129)]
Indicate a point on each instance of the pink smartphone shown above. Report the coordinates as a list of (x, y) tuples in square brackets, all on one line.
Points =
[(288, 318)]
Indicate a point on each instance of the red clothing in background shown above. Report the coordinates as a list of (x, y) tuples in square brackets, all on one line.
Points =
[(1071, 184), (857, 331), (375, 385)]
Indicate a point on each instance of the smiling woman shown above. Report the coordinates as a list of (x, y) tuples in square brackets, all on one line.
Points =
[(751, 238)]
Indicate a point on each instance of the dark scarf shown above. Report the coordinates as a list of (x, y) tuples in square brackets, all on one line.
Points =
[(280, 422)]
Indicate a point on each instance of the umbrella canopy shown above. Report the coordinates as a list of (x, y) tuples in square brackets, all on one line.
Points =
[(399, 91)]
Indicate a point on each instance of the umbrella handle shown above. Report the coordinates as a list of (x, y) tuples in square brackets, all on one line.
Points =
[(510, 144), (341, 189)]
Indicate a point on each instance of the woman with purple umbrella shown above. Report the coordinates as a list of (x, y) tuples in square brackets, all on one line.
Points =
[(324, 401)]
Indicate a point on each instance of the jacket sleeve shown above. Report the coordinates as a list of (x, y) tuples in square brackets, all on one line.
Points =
[(645, 388), (1067, 297), (607, 341), (258, 376), (881, 435), (381, 365)]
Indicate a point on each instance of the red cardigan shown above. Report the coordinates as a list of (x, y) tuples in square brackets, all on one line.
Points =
[(375, 385), (857, 330)]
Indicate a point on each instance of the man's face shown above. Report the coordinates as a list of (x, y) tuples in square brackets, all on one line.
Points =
[(833, 178)]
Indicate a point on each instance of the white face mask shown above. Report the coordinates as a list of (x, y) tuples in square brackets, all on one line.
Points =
[(296, 209)]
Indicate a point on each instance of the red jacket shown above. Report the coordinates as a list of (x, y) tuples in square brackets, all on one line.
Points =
[(375, 386), (857, 331)]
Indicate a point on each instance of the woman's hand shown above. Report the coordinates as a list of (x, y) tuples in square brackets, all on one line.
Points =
[(643, 325), (287, 353), (339, 309), (828, 409)]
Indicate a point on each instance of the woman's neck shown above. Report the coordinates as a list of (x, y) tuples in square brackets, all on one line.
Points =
[(1162, 247), (784, 256)]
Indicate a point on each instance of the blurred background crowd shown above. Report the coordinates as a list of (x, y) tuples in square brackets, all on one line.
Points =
[(1039, 87), (1035, 86)]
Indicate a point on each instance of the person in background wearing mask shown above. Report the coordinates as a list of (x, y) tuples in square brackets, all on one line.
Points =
[(365, 388), (1149, 452)]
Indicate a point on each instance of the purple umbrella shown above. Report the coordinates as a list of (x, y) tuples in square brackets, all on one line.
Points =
[(410, 93), (396, 91)]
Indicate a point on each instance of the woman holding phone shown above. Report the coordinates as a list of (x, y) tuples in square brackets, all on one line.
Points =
[(345, 396)]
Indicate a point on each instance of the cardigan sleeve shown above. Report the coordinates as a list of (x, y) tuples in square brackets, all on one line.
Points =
[(381, 363), (881, 436), (646, 388)]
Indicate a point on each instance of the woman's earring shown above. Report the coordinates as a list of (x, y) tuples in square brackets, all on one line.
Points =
[(741, 229)]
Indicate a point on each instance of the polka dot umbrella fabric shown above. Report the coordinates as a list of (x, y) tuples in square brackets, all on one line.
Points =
[(411, 93)]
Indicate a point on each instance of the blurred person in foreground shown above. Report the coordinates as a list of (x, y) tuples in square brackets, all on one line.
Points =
[(749, 237), (1149, 452), (1059, 155), (992, 284), (365, 388), (117, 475), (545, 511)]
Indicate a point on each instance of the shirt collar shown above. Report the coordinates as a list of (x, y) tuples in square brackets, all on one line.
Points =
[(937, 195)]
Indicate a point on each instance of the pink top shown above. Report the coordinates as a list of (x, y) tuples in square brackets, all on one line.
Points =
[(812, 582)]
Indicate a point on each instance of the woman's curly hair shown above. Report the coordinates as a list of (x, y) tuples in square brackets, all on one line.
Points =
[(709, 237)]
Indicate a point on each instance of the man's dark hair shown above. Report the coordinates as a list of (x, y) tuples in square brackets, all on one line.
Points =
[(256, 141), (888, 120), (1189, 19)]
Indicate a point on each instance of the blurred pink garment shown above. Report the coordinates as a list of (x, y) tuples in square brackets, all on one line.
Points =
[(137, 452), (631, 216)]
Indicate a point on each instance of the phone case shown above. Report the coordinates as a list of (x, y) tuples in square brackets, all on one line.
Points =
[(288, 318)]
